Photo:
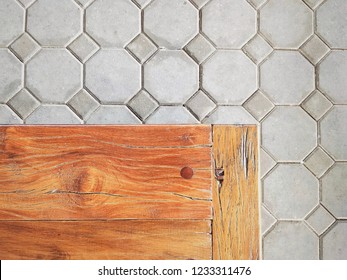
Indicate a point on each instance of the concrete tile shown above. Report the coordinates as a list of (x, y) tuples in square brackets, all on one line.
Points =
[(287, 77), (142, 3), (334, 191), (171, 76), (286, 23), (315, 49), (291, 241), (316, 105), (267, 220), (266, 162), (318, 162), (333, 132), (199, 48), (201, 105), (83, 47), (200, 3), (113, 23), (258, 105), (142, 47), (53, 114), (171, 115), (11, 73), (26, 3), (229, 24), (7, 116), (230, 77), (256, 3), (257, 49), (23, 103), (54, 75), (113, 76), (332, 76), (83, 103), (11, 21), (230, 115), (335, 242), (290, 191), (143, 104), (320, 220), (84, 3), (313, 3), (171, 24), (54, 23), (289, 134), (332, 23), (113, 114), (25, 47)]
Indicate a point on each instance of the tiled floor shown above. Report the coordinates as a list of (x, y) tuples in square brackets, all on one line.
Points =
[(279, 63)]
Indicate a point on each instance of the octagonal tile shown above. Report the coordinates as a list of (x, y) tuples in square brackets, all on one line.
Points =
[(229, 24), (286, 23), (113, 76), (11, 21), (289, 133), (334, 132), (334, 190), (54, 75), (54, 23), (171, 76), (335, 242), (171, 24), (287, 77), (230, 77), (332, 23), (332, 76), (113, 23), (53, 114), (7, 116)]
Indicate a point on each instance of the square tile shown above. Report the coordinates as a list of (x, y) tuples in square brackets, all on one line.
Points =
[(318, 162), (320, 220), (316, 105), (23, 103), (315, 49), (199, 48), (200, 104), (257, 49), (83, 47), (258, 105), (25, 47), (143, 104), (142, 47), (83, 103)]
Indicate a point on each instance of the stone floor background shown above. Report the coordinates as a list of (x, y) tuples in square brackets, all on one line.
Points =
[(278, 63)]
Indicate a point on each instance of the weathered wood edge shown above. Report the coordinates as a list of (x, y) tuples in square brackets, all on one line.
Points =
[(235, 193)]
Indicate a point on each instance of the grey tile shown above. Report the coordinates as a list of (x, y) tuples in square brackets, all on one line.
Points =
[(313, 3), (230, 115), (266, 162), (316, 105), (332, 23), (142, 47), (335, 242), (334, 191), (315, 49), (7, 116), (83, 47), (257, 49), (23, 103), (267, 220), (26, 3), (53, 114), (258, 105), (229, 24), (200, 48), (287, 77), (143, 104), (230, 77), (171, 24), (289, 134), (25, 47), (201, 105), (256, 3), (54, 75), (11, 21), (332, 76), (200, 3), (113, 75), (171, 76), (291, 241), (143, 3), (286, 23), (113, 114), (84, 3), (11, 72), (318, 162), (333, 132), (83, 103), (290, 191), (320, 220), (54, 23), (113, 23), (171, 115)]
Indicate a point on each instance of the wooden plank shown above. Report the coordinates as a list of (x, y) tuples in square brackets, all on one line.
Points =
[(235, 195), (162, 239), (114, 172)]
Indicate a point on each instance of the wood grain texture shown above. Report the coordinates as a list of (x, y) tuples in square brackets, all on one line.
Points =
[(235, 198), (113, 172), (161, 239)]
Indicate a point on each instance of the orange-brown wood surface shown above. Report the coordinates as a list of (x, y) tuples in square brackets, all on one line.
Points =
[(235, 197), (113, 172), (160, 239)]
